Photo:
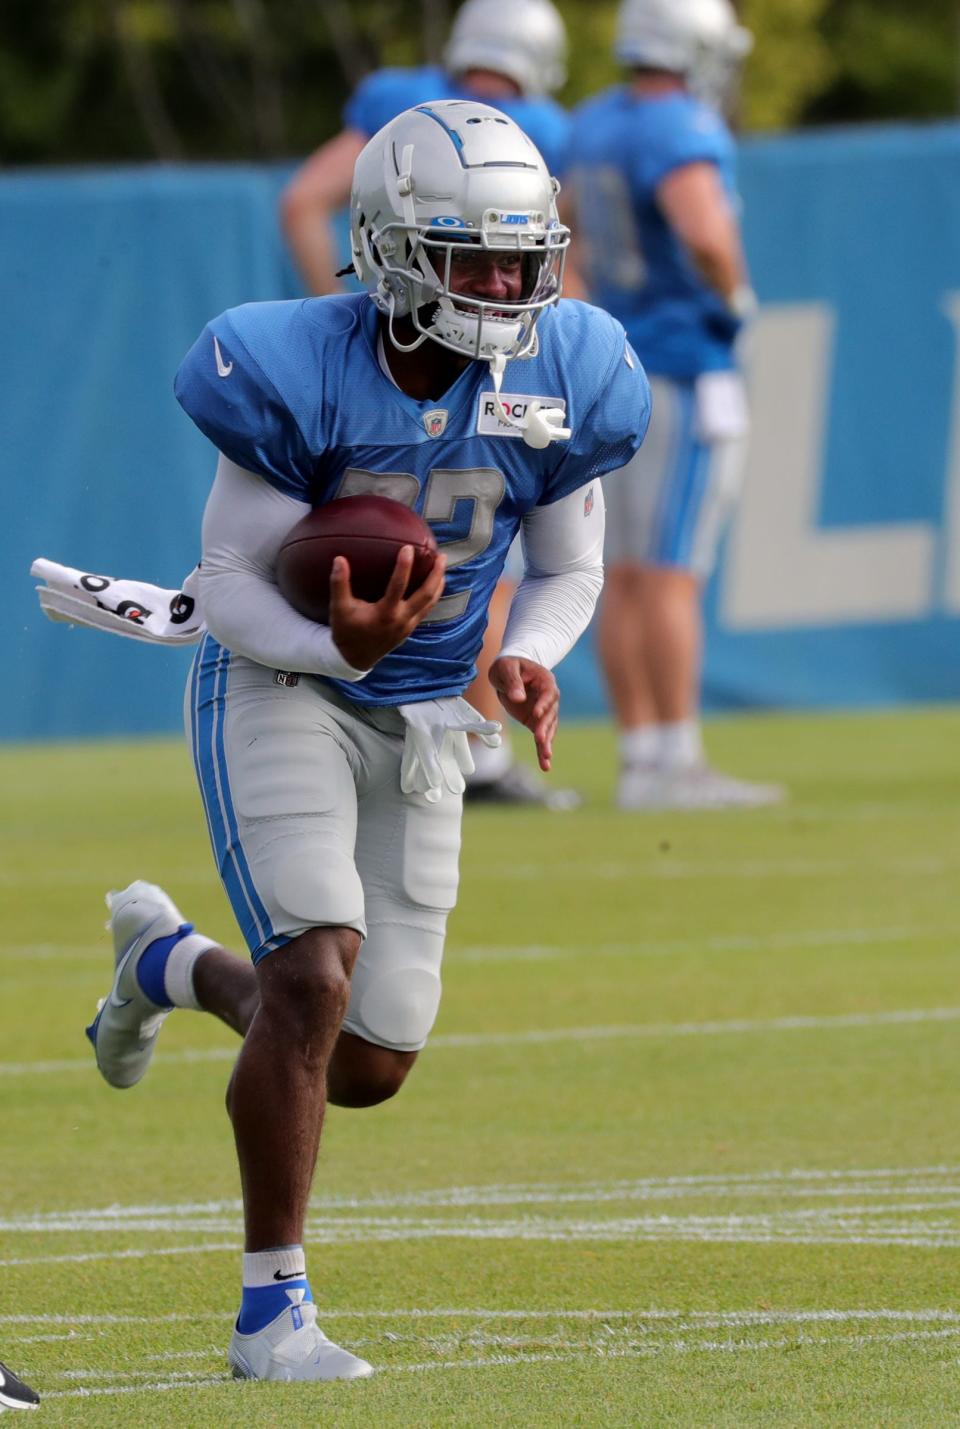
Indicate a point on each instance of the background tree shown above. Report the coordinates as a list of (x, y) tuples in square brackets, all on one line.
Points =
[(109, 80)]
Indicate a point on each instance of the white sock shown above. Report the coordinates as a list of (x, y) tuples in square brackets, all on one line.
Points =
[(178, 973), (681, 744), (640, 745), (269, 1267), (490, 763)]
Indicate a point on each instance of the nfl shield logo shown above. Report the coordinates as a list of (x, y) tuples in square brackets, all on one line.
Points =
[(588, 502), (436, 422)]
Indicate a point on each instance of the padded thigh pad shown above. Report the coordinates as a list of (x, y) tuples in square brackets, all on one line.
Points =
[(430, 873), (294, 794), (311, 881), (282, 762)]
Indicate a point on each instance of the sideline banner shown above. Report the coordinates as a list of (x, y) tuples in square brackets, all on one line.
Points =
[(840, 582)]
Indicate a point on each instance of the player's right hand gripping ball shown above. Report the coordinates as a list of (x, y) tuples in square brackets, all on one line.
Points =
[(369, 531)]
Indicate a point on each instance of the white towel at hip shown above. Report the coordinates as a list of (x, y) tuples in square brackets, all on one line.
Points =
[(135, 609)]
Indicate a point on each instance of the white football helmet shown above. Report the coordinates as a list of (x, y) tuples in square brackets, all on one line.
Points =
[(444, 174), (524, 39), (700, 39)]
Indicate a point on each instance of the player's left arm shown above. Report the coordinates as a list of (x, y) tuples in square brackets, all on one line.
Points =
[(563, 550)]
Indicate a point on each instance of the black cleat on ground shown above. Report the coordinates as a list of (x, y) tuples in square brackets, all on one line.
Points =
[(521, 786), (14, 1394)]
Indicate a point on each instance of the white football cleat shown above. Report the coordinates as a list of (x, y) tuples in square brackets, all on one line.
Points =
[(638, 786), (645, 787), (292, 1348), (125, 1029)]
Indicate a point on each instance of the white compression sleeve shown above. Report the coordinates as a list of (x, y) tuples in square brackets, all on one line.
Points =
[(563, 551), (244, 525)]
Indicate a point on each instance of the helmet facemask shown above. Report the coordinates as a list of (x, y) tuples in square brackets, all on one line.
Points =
[(422, 285)]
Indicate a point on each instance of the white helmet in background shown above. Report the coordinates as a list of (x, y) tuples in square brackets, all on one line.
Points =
[(522, 39), (444, 174), (699, 39)]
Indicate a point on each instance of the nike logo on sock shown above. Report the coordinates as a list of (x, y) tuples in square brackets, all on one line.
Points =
[(294, 1275)]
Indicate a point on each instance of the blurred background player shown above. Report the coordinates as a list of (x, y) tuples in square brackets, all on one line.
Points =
[(652, 176), (511, 54), (14, 1394)]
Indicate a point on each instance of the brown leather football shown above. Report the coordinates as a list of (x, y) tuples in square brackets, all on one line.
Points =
[(369, 531)]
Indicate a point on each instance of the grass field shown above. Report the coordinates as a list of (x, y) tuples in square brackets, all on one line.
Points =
[(685, 1149)]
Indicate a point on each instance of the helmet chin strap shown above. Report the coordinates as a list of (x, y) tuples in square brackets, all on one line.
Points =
[(541, 425), (401, 346)]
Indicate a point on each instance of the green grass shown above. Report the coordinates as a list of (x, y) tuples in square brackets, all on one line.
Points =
[(721, 1187)]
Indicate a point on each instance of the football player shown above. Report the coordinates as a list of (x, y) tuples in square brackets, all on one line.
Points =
[(510, 53), (659, 247), (331, 758)]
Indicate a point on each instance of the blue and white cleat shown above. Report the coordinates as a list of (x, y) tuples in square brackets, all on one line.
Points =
[(292, 1348), (125, 1029)]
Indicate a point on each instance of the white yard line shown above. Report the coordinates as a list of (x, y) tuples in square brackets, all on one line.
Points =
[(535, 952), (776, 1184), (136, 1254), (108, 1320), (830, 1022), (812, 1228), (728, 1027), (732, 943), (669, 868), (42, 952), (165, 1220), (704, 1319), (651, 1349)]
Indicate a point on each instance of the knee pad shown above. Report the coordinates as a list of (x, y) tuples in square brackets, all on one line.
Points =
[(395, 992)]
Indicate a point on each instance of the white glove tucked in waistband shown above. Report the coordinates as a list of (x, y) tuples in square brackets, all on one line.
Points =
[(436, 751)]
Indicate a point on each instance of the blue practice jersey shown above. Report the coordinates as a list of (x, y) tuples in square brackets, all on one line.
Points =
[(305, 403), (623, 147), (388, 92)]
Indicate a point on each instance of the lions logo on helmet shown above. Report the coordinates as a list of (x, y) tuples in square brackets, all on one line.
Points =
[(522, 39), (700, 39), (436, 177)]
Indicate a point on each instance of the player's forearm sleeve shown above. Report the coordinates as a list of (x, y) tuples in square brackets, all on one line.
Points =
[(244, 526), (563, 550)]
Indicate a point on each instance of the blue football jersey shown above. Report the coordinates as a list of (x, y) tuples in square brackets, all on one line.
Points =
[(623, 146), (388, 92), (295, 392)]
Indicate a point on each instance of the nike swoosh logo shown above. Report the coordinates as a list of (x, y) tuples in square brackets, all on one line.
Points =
[(112, 998), (3, 1379), (223, 368), (294, 1275)]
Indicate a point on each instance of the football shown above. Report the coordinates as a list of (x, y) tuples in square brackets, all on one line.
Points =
[(369, 531)]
